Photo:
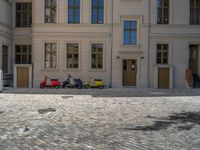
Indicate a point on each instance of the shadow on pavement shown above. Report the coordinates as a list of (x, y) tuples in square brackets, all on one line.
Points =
[(187, 119)]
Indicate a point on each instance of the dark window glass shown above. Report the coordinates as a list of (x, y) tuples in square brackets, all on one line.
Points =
[(23, 54), (130, 32), (163, 12), (72, 55), (50, 11), (23, 14), (162, 53), (195, 12), (74, 11), (124, 65), (5, 59), (97, 11), (97, 56)]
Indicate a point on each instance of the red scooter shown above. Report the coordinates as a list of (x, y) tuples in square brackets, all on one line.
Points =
[(50, 83)]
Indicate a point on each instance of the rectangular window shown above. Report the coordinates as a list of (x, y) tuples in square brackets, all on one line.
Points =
[(23, 54), (5, 59), (97, 56), (72, 56), (50, 11), (50, 55), (195, 12), (163, 12), (162, 53), (23, 14), (74, 11), (97, 11), (130, 32)]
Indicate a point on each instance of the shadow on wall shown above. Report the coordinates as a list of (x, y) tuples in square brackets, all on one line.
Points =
[(187, 120)]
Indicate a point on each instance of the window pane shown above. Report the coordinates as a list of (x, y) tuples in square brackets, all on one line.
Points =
[(133, 38), (97, 56), (73, 11), (50, 55), (162, 53), (50, 11), (166, 3), (195, 12), (97, 11), (163, 12), (5, 59), (130, 32), (159, 3), (72, 55), (23, 54), (23, 14)]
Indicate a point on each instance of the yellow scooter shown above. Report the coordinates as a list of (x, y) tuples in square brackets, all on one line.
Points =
[(94, 83)]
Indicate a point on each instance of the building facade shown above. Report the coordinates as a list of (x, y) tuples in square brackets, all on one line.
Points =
[(6, 41), (126, 43)]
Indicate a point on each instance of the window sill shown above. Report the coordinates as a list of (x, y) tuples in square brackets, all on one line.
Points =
[(163, 65), (23, 27), (50, 23), (97, 70), (72, 70), (49, 69), (126, 46)]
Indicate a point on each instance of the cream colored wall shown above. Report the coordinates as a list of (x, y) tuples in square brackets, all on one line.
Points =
[(138, 11), (84, 33), (179, 34), (61, 71), (5, 35)]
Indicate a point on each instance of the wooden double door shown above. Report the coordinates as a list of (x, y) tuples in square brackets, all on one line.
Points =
[(129, 72), (22, 77)]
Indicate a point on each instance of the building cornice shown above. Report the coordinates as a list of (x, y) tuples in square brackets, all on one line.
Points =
[(174, 35), (175, 26), (71, 34)]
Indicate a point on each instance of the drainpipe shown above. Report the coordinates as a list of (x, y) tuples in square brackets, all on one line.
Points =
[(149, 7), (111, 45)]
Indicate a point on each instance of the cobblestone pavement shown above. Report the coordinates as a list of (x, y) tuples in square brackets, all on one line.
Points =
[(109, 119)]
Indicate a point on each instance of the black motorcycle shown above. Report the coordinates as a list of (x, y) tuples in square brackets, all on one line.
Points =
[(70, 82)]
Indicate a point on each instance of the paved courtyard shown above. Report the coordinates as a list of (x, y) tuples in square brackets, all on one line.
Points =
[(109, 119)]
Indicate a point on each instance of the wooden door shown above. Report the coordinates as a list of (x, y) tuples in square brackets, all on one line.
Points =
[(129, 72), (22, 77), (193, 62), (163, 78)]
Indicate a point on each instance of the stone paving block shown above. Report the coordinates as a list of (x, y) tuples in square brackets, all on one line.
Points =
[(119, 119)]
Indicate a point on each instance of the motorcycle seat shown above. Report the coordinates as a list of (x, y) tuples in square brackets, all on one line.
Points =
[(97, 80), (54, 79)]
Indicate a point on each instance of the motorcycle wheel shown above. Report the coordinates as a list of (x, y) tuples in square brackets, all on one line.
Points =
[(101, 87), (79, 86), (42, 86), (86, 86), (57, 86)]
